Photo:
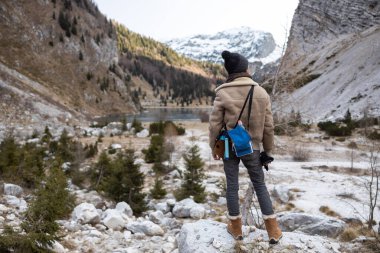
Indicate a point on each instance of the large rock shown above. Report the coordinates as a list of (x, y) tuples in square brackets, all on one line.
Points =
[(282, 193), (188, 208), (205, 236), (146, 227), (143, 134), (86, 213), (156, 217), (114, 219), (163, 207), (15, 202), (311, 224), (124, 208), (12, 189)]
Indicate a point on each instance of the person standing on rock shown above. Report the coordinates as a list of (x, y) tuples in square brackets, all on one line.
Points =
[(228, 103)]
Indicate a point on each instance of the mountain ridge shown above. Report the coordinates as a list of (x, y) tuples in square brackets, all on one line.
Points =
[(255, 45)]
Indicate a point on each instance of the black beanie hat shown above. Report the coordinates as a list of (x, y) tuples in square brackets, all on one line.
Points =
[(234, 62)]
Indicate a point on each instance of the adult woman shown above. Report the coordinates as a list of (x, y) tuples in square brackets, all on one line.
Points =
[(228, 103)]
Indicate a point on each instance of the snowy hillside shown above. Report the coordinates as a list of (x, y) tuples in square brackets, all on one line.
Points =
[(255, 45)]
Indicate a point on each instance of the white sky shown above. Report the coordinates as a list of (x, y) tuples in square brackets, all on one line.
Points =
[(168, 19)]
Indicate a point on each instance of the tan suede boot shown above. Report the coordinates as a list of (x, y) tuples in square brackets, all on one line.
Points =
[(234, 227), (274, 232)]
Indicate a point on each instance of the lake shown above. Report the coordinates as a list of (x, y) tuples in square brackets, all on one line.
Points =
[(162, 114)]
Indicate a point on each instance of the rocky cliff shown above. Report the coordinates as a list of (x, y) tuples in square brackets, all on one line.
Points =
[(332, 59)]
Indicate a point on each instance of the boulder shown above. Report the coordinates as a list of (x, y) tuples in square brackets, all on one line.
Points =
[(114, 219), (163, 207), (188, 208), (86, 213), (124, 208), (143, 133), (311, 224), (281, 193), (12, 189), (116, 146), (146, 227), (15, 202), (156, 217), (212, 237)]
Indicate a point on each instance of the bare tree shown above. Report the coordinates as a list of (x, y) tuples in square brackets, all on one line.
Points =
[(372, 184), (352, 145)]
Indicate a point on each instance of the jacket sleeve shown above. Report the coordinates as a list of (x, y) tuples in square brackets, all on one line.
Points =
[(268, 136), (216, 120)]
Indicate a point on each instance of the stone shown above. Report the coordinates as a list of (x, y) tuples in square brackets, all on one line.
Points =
[(58, 248), (143, 133), (188, 208), (170, 223), (212, 237), (86, 213), (163, 207), (15, 202), (146, 227), (156, 217), (116, 146), (281, 193), (3, 209), (114, 219), (222, 201), (168, 247), (123, 207), (13, 190), (66, 166), (197, 212), (311, 224)]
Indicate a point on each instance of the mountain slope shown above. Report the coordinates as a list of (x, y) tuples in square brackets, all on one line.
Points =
[(67, 47), (255, 45), (174, 79), (331, 62), (67, 55)]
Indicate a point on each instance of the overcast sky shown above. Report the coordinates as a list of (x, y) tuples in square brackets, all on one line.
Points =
[(167, 19)]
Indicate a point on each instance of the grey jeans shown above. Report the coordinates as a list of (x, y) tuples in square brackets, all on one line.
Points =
[(256, 174)]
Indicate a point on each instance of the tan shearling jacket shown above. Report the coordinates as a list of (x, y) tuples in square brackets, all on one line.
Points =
[(228, 102)]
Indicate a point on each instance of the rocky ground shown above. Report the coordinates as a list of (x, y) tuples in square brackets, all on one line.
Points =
[(303, 193)]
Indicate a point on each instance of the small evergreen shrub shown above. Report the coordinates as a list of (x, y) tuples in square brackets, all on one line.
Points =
[(156, 152), (193, 176), (136, 124), (167, 127), (374, 135), (120, 179), (158, 191)]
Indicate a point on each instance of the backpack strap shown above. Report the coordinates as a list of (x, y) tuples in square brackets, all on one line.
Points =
[(250, 97)]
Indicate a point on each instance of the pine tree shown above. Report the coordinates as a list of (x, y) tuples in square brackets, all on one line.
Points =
[(39, 228), (125, 182), (347, 118), (101, 169), (158, 191), (192, 184)]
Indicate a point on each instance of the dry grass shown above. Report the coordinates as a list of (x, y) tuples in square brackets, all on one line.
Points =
[(296, 190), (349, 234), (326, 210), (300, 154), (289, 206)]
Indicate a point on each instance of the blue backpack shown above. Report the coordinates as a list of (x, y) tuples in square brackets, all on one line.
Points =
[(241, 140)]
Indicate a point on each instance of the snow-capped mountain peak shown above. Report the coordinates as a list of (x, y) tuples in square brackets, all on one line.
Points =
[(253, 44)]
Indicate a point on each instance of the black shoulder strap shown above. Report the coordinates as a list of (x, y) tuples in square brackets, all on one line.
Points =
[(250, 97)]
